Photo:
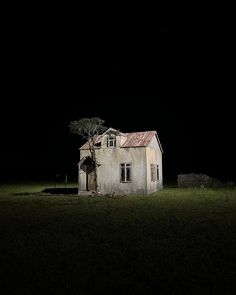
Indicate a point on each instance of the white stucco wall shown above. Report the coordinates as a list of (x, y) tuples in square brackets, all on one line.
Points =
[(154, 156), (109, 171)]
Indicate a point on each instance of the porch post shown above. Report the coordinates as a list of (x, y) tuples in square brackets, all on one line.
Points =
[(78, 176)]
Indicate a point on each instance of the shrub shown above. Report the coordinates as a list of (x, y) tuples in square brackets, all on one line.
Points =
[(198, 180)]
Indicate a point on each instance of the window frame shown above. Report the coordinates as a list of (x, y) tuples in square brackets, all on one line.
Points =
[(153, 172), (126, 167), (111, 139)]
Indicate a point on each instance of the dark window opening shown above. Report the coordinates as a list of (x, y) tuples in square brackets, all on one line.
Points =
[(157, 172), (98, 144)]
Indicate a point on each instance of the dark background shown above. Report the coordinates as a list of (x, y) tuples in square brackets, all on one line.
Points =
[(145, 73)]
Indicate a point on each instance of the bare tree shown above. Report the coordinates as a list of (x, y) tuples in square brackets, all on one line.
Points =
[(89, 128)]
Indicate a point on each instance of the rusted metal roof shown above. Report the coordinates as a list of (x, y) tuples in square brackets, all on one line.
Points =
[(133, 139), (138, 139)]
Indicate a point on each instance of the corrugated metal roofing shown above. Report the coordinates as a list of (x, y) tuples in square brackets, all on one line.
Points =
[(133, 139), (138, 139)]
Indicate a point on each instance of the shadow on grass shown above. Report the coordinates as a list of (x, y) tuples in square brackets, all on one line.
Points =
[(64, 191), (52, 191)]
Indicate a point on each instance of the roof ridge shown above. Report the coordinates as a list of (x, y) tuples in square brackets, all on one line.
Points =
[(140, 131)]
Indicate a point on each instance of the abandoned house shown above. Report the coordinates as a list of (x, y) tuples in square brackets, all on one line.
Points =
[(128, 163)]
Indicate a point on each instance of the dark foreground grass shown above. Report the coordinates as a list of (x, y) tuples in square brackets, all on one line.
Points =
[(172, 242)]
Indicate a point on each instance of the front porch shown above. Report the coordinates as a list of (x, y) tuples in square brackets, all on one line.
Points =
[(86, 175)]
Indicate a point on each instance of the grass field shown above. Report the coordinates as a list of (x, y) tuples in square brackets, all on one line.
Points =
[(176, 241)]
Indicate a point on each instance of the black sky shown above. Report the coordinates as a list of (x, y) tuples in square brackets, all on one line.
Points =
[(167, 76)]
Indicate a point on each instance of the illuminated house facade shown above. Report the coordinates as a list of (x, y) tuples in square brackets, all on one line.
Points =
[(129, 163)]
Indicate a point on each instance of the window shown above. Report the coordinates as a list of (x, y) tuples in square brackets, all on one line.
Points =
[(125, 172), (111, 141), (153, 172), (98, 144), (157, 172)]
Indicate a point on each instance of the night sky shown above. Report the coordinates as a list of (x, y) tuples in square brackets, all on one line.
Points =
[(169, 77)]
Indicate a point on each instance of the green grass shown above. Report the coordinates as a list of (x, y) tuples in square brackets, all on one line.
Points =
[(32, 187), (176, 241)]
